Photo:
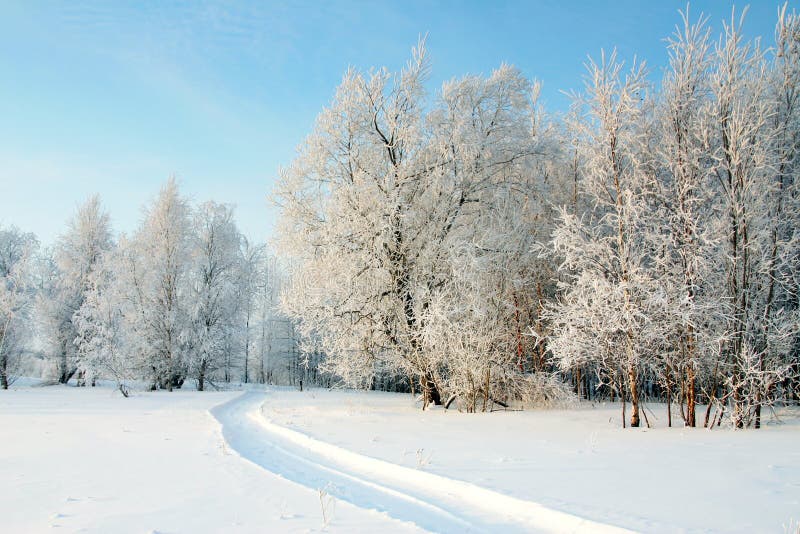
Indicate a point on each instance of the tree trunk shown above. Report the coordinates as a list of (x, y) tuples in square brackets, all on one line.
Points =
[(634, 388), (691, 390), (691, 397), (486, 385), (431, 391), (247, 347), (669, 407), (738, 401), (708, 412), (624, 403), (62, 375), (518, 332), (3, 368), (201, 377)]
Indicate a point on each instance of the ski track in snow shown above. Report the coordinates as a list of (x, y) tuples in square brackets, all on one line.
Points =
[(432, 502)]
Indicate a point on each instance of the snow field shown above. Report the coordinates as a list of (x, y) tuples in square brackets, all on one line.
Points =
[(579, 462), (432, 501), (88, 460)]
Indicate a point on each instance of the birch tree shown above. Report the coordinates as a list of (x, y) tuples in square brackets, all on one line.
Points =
[(745, 171), (603, 316), (780, 337), (684, 216)]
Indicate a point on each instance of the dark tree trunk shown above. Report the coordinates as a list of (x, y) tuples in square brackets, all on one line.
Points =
[(634, 388), (431, 391), (708, 413), (669, 407), (247, 348), (691, 397), (201, 377), (3, 371), (66, 374)]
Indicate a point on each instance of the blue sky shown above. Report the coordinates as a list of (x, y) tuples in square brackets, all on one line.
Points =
[(114, 97)]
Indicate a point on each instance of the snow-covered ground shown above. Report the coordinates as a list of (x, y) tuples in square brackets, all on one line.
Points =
[(577, 461), (89, 460), (85, 459)]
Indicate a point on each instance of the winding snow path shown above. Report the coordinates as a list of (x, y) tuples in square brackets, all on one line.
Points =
[(431, 501)]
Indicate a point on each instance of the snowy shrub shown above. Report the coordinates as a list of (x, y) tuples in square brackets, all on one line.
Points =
[(546, 390)]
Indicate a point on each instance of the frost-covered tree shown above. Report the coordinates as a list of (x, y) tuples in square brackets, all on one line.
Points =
[(749, 155), (104, 350), (485, 322), (347, 202), (178, 299), (16, 298), (603, 317), (683, 219), (216, 284), (682, 267), (266, 304), (75, 254), (779, 339), (380, 194), (250, 274), (154, 268)]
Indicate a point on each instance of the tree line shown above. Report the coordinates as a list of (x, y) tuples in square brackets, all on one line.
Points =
[(184, 297), (467, 245)]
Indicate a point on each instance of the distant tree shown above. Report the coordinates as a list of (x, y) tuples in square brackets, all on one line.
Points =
[(16, 298), (250, 272), (270, 335), (105, 343), (155, 270), (216, 284), (75, 254)]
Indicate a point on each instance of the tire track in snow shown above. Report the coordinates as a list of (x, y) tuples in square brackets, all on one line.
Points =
[(433, 502)]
